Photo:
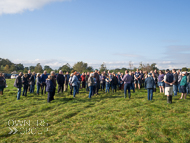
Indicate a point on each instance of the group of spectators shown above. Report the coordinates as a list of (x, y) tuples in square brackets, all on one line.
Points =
[(169, 82)]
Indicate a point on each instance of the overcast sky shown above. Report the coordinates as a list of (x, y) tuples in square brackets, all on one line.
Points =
[(56, 32)]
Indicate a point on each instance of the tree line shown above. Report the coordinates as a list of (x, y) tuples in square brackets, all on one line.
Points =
[(6, 66)]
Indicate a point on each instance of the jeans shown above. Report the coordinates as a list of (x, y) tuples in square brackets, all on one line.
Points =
[(90, 92), (179, 88), (107, 87), (42, 88), (25, 91), (114, 87), (74, 90), (31, 88), (38, 89), (127, 87), (188, 88), (150, 93), (49, 97), (19, 93), (87, 88), (132, 86), (175, 89)]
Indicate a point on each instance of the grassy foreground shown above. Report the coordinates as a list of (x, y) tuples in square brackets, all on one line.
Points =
[(104, 118)]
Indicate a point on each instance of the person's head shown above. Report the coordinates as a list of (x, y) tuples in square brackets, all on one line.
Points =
[(75, 73), (140, 71), (126, 72), (130, 72), (67, 72), (174, 71), (96, 71), (155, 71), (33, 73), (20, 74), (25, 75), (150, 74), (60, 72), (137, 70), (108, 72), (83, 73), (88, 73), (183, 73), (38, 74), (71, 74), (49, 76), (29, 72), (151, 71), (118, 73), (52, 73), (92, 75), (167, 71), (45, 72), (153, 74), (1, 74)]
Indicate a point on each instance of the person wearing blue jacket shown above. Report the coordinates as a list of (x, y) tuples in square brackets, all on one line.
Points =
[(38, 83), (43, 79), (49, 88), (149, 82), (74, 82)]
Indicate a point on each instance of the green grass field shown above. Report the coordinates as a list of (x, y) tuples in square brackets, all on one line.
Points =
[(104, 118)]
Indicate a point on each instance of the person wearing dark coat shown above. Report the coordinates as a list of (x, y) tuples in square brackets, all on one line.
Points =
[(114, 83), (97, 77), (2, 83), (44, 76), (28, 77), (53, 79), (67, 76), (19, 85), (25, 84), (49, 88), (60, 81), (150, 83), (86, 79), (32, 82)]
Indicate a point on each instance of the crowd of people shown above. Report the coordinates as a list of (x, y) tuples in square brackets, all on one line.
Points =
[(169, 83)]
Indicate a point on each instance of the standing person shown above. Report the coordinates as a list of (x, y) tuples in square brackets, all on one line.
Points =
[(60, 81), (137, 79), (38, 83), (53, 79), (25, 84), (127, 79), (102, 81), (18, 85), (150, 83), (183, 85), (32, 82), (175, 84), (79, 82), (2, 83), (83, 80), (188, 83), (168, 79), (70, 83), (90, 84), (179, 80), (132, 82), (95, 85), (43, 78), (114, 83), (107, 80), (96, 75), (74, 82), (29, 75), (145, 77), (141, 78), (155, 81), (86, 79), (119, 80), (156, 75), (161, 81), (66, 81), (49, 88), (110, 78)]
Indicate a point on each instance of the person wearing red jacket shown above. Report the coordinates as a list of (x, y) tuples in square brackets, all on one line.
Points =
[(83, 80)]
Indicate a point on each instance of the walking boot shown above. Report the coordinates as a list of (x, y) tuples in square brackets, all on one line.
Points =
[(168, 99), (129, 94)]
